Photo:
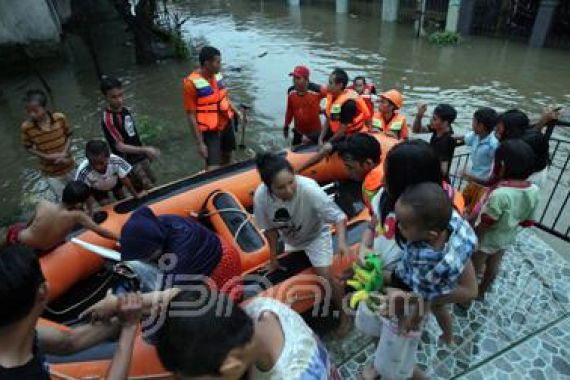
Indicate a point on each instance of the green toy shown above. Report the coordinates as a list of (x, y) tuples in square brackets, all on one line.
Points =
[(367, 278)]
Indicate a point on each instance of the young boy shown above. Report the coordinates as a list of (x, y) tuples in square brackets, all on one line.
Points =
[(104, 172), (441, 140), (47, 136), (304, 107), (265, 338), (23, 296), (122, 136), (53, 222), (511, 203), (483, 144), (367, 91), (438, 245)]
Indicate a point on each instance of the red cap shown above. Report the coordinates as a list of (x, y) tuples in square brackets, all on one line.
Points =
[(300, 71)]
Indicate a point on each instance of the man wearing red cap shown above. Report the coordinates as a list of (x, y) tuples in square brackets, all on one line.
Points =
[(303, 107)]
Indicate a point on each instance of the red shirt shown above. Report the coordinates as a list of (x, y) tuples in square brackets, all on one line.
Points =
[(305, 109)]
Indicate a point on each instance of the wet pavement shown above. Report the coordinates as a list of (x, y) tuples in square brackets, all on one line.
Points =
[(521, 329)]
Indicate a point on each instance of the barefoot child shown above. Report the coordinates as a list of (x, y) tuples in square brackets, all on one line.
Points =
[(104, 172), (439, 243), (510, 204), (53, 222)]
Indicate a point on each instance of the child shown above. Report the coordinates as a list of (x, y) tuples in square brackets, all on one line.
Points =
[(265, 338), (438, 245), (104, 172), (483, 144), (441, 140), (53, 222), (122, 135), (48, 136), (367, 91), (512, 202)]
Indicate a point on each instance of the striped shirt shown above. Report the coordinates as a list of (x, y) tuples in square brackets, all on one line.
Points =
[(116, 168), (49, 141)]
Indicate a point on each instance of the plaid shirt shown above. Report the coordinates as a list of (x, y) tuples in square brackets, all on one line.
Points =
[(430, 272)]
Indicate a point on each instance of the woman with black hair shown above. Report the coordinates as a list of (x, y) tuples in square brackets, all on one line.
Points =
[(407, 164), (296, 209)]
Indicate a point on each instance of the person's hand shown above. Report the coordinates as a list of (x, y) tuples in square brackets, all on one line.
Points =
[(410, 323), (343, 250), (286, 132), (550, 114), (103, 310), (151, 152), (130, 308), (203, 150), (390, 134), (275, 266), (141, 194), (422, 108)]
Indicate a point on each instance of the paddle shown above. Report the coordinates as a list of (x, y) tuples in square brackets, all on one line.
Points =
[(107, 253)]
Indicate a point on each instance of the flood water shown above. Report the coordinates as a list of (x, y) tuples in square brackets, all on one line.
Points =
[(261, 41)]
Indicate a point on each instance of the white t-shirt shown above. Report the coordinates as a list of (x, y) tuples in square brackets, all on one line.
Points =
[(301, 219), (385, 238), (303, 356), (117, 168)]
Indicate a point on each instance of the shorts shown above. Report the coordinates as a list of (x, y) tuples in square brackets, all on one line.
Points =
[(472, 194), (395, 356), (319, 250), (490, 251), (227, 274), (142, 176), (103, 195), (298, 137), (219, 143), (13, 233)]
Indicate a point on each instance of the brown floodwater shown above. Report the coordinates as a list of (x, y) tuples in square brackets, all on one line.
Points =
[(261, 41)]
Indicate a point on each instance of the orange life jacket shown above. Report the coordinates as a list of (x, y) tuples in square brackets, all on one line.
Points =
[(397, 125), (332, 111), (371, 184), (212, 102), (367, 95)]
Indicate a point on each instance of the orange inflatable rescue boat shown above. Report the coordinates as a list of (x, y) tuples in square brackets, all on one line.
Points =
[(223, 198)]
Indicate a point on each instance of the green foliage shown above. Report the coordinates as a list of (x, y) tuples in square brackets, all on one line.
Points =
[(445, 38), (181, 50), (149, 130)]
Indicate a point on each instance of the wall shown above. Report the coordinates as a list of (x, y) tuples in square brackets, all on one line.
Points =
[(28, 21)]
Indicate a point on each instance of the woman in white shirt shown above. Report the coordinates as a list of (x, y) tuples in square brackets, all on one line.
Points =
[(296, 209)]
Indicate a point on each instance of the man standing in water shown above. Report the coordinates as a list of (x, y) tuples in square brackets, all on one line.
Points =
[(210, 110), (303, 107)]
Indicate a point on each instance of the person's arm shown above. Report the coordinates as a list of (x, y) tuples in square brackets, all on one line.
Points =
[(288, 118), (272, 239), (202, 148), (129, 185), (59, 342), (417, 126), (548, 116), (149, 151), (84, 219), (325, 151), (324, 132), (342, 248), (348, 112), (130, 312), (466, 289)]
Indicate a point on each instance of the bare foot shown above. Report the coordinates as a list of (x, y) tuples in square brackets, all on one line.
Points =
[(369, 373), (447, 339), (344, 326)]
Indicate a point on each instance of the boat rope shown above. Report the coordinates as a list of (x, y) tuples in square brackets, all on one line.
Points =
[(83, 301)]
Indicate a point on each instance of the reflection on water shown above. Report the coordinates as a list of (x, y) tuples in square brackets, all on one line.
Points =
[(480, 72)]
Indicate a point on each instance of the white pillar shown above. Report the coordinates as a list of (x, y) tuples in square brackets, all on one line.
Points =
[(390, 10), (295, 3), (341, 6), (452, 15)]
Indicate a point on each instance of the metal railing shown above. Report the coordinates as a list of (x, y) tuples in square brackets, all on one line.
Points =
[(554, 214)]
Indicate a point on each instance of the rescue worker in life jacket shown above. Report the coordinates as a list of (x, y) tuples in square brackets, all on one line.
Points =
[(389, 120), (210, 110), (367, 91), (345, 110)]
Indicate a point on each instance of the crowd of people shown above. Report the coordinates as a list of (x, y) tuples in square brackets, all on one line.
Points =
[(431, 247)]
